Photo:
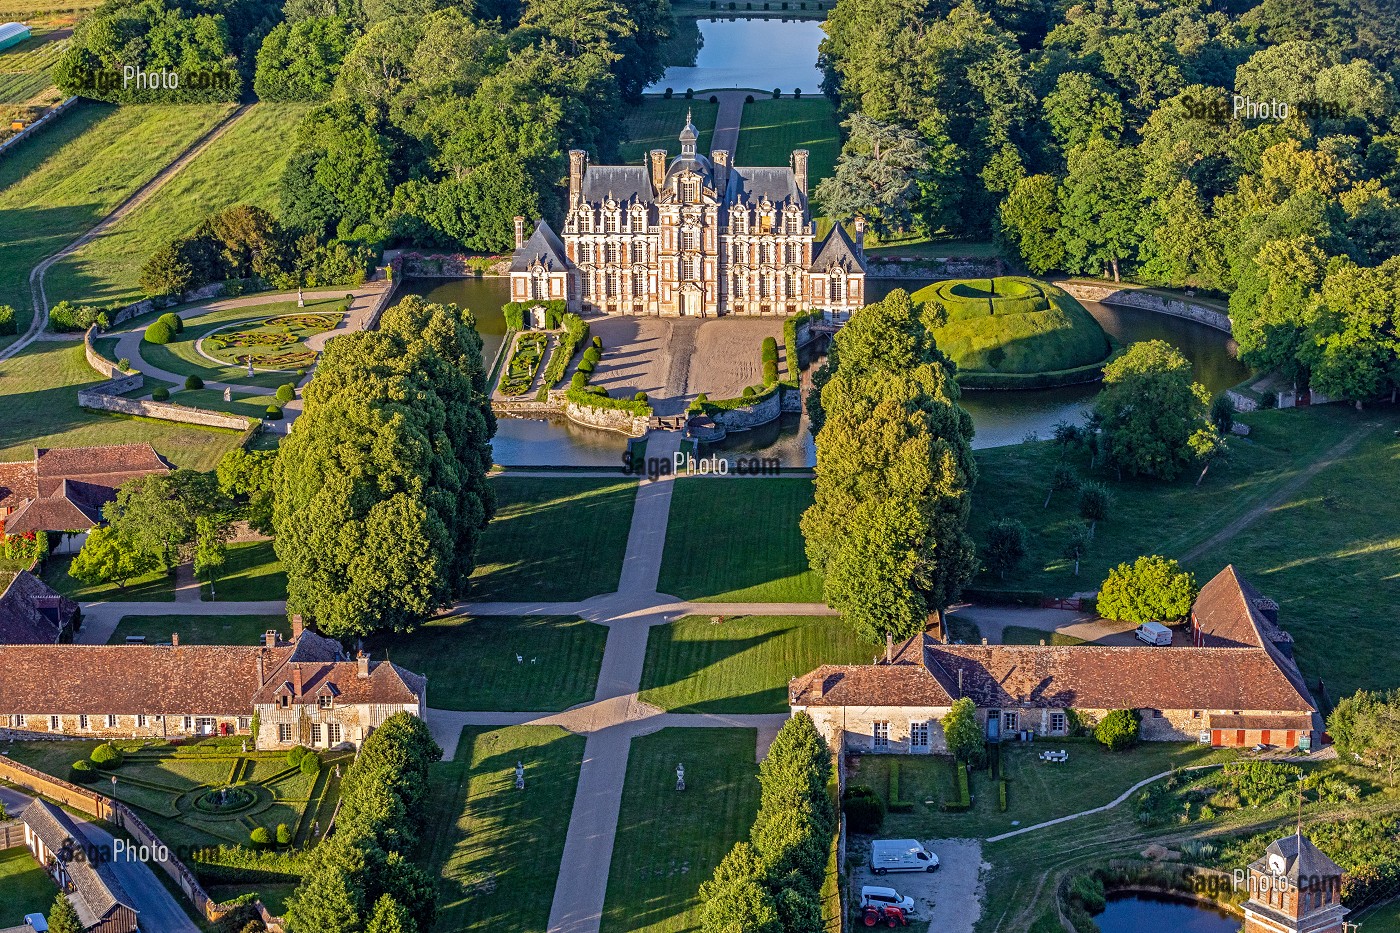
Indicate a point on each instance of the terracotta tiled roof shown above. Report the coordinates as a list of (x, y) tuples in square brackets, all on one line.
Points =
[(131, 679), (32, 613), (1302, 723), (868, 685), (98, 892), (1226, 613), (17, 483), (60, 513), (386, 683), (1103, 677), (92, 462)]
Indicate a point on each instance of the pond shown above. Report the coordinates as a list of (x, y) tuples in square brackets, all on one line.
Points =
[(1157, 913), (1001, 418), (750, 53)]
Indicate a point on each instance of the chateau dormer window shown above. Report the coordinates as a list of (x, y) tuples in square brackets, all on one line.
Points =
[(585, 220), (794, 223), (539, 283), (639, 219), (690, 190), (612, 221)]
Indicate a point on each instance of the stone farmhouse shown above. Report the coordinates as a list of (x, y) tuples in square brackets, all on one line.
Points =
[(63, 489), (696, 237), (102, 904), (1237, 686), (32, 613), (299, 692)]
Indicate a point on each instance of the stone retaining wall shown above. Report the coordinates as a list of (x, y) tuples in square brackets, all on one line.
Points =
[(937, 267), (1133, 297), (751, 416), (609, 419), (106, 397), (147, 305), (100, 363)]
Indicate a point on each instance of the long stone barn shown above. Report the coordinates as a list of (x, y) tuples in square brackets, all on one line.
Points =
[(1236, 686), (305, 691)]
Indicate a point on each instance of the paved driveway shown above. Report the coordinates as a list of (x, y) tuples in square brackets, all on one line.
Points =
[(948, 900)]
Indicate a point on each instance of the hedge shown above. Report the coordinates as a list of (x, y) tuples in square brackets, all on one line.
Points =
[(67, 317), (963, 802), (286, 392), (1001, 794), (272, 413), (554, 312), (897, 804), (865, 811), (790, 341), (575, 332), (710, 406), (1080, 375), (173, 321), (106, 756), (242, 865), (589, 400), (82, 772), (8, 326)]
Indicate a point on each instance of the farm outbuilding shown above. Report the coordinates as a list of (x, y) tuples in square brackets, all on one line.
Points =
[(13, 34)]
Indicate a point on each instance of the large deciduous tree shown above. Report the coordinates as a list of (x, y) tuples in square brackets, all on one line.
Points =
[(962, 732), (170, 516), (1151, 409), (381, 492), (1150, 589), (888, 528), (886, 174)]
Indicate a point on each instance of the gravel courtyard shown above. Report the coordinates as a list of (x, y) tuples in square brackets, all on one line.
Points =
[(948, 900), (673, 360)]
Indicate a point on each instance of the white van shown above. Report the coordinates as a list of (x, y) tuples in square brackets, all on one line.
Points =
[(1154, 633), (900, 855)]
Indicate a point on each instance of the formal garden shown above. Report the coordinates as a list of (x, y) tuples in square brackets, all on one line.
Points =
[(525, 360), (277, 342), (204, 793)]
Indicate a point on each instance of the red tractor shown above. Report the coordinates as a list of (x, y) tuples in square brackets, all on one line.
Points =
[(892, 916)]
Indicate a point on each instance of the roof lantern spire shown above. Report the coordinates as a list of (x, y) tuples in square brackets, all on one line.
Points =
[(688, 137)]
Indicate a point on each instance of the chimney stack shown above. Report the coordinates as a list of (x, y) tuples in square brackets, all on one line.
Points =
[(720, 159), (578, 161), (297, 627), (362, 661), (296, 680), (984, 642), (270, 638), (262, 678), (860, 236), (658, 168), (889, 647), (819, 687), (799, 168), (960, 686), (174, 639), (519, 231)]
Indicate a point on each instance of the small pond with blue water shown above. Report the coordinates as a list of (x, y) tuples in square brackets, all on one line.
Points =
[(1158, 913)]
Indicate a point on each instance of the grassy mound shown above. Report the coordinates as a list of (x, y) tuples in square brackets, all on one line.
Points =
[(1014, 327)]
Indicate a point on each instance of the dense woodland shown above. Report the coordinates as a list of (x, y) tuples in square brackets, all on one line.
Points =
[(1100, 138)]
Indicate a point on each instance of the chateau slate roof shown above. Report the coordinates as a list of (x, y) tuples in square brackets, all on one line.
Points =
[(623, 183), (543, 245), (837, 251), (97, 890), (32, 613), (751, 185)]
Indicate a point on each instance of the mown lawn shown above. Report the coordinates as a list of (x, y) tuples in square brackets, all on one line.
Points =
[(1036, 790), (668, 843), (471, 663), (738, 541), (158, 587), (1327, 555), (252, 572), (241, 167), (743, 664), (242, 403), (493, 850), (554, 539), (771, 129), (59, 184), (25, 888), (199, 630), (39, 391), (656, 123), (181, 355)]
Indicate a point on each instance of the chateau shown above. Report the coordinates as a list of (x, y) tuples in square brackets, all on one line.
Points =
[(698, 237)]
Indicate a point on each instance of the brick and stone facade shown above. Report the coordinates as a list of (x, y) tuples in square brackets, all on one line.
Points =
[(1234, 688), (693, 237), (1294, 888)]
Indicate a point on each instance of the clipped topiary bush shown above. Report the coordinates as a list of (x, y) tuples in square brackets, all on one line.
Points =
[(82, 772), (285, 393), (301, 374), (194, 382), (107, 756), (172, 321), (159, 332), (690, 93), (160, 394), (578, 381), (310, 764), (260, 837), (748, 98), (714, 99), (284, 835), (273, 413), (296, 754), (777, 92), (668, 94), (598, 342), (797, 93), (639, 397)]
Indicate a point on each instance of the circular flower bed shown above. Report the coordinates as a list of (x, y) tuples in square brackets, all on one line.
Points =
[(225, 800)]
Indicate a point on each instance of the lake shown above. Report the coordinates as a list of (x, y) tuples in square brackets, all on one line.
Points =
[(1156, 913), (759, 54), (1001, 418)]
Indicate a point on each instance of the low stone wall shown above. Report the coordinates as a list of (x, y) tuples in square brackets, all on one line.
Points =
[(106, 397), (751, 416), (936, 267), (380, 304), (147, 305), (418, 264), (1129, 296), (100, 363), (37, 125), (609, 419)]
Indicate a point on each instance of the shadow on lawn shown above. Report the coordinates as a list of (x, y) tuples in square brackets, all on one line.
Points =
[(672, 662)]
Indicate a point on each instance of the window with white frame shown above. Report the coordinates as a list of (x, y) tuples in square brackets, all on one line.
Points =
[(639, 220), (765, 253), (790, 253), (284, 732), (838, 288), (17, 720), (639, 284), (690, 269), (690, 239), (1057, 722), (585, 252), (1010, 720), (141, 720), (333, 734), (611, 222), (244, 723), (188, 724), (741, 285), (111, 720), (639, 252), (790, 285), (82, 721), (918, 735), (690, 190), (882, 734), (53, 724), (315, 733), (585, 221), (325, 701), (614, 284), (610, 253), (587, 286), (765, 285)]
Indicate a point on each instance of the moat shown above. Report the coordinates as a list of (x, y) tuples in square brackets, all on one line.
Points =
[(1001, 418)]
